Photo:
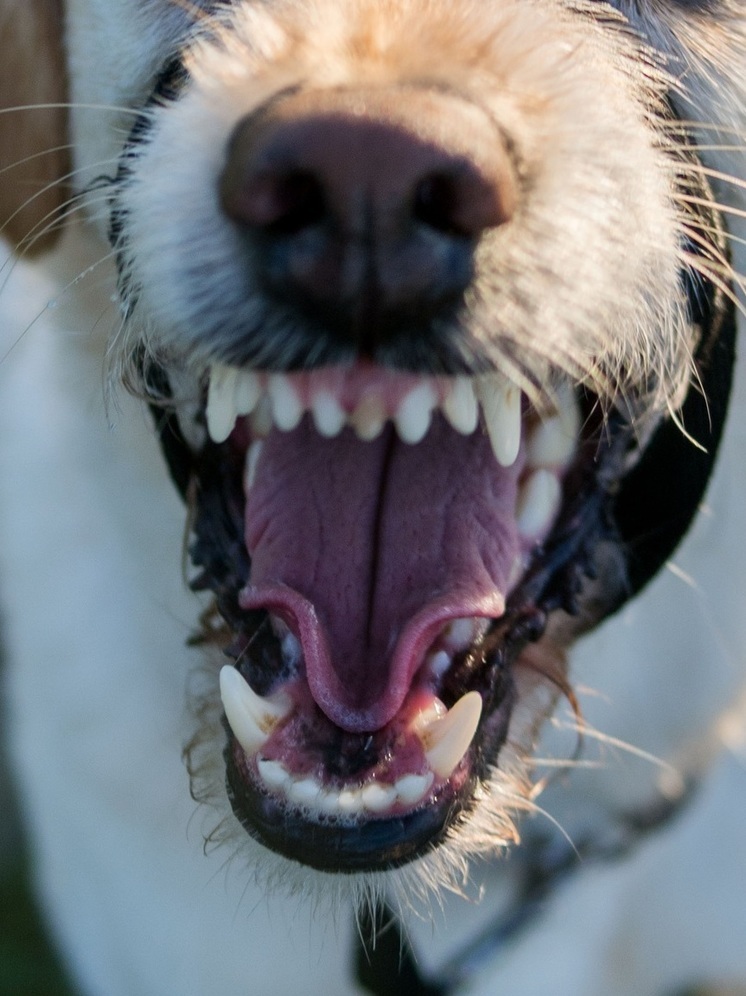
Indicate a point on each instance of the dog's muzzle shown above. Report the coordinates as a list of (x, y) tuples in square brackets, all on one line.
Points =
[(384, 543)]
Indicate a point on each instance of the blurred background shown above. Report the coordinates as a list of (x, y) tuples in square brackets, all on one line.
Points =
[(28, 965)]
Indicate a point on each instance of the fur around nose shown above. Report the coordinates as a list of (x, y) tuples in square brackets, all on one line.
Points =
[(366, 206)]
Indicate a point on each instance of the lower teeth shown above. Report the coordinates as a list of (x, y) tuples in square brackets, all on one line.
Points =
[(350, 800)]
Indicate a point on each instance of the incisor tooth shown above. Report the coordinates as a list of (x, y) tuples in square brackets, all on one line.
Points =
[(350, 801), (328, 415), (251, 717), (378, 796), (273, 773), (287, 409), (460, 406), (411, 788), (413, 416), (368, 418), (501, 404), (305, 792), (248, 392), (446, 740), (221, 403)]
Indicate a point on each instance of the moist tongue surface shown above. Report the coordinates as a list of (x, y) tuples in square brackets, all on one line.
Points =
[(366, 549)]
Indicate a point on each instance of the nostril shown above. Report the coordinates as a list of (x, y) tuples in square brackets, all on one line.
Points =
[(282, 202), (463, 202), (435, 203)]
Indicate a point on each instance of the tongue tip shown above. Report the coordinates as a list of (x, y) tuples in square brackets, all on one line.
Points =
[(348, 697)]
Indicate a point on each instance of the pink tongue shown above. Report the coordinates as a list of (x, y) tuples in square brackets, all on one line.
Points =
[(367, 549)]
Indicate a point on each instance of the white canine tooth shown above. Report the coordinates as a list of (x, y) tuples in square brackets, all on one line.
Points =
[(538, 502), (248, 391), (251, 717), (552, 443), (252, 459), (378, 797), (460, 406), (501, 404), (368, 418), (446, 740), (287, 409), (411, 788), (412, 419), (273, 773), (328, 415), (221, 403)]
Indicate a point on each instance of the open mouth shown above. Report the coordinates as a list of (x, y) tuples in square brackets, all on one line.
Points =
[(383, 546)]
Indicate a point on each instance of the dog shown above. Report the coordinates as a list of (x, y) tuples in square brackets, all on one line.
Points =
[(428, 311)]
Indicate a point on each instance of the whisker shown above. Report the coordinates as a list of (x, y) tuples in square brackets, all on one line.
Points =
[(73, 106), (192, 9), (702, 170), (35, 156), (79, 196), (713, 205), (621, 745)]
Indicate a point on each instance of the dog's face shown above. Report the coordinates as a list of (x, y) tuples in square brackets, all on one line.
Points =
[(415, 290)]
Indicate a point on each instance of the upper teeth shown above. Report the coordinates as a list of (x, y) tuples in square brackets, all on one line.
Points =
[(274, 399)]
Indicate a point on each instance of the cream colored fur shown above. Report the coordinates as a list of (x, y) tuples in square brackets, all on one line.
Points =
[(96, 615)]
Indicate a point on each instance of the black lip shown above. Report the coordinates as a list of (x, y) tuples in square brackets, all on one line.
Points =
[(367, 845)]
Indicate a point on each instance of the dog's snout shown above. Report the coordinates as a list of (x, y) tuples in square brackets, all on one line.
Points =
[(368, 205)]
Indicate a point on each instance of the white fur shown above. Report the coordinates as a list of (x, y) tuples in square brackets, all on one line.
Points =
[(96, 618)]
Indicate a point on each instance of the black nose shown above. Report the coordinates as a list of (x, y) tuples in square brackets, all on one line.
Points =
[(364, 208)]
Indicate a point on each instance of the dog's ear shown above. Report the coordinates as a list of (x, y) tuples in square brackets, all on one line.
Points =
[(34, 151)]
